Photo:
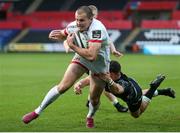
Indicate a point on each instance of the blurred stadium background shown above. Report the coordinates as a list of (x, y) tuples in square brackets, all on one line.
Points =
[(147, 26)]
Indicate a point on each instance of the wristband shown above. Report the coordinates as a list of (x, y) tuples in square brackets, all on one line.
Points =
[(111, 82)]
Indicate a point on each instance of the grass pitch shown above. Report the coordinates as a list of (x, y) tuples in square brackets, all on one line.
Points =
[(26, 78)]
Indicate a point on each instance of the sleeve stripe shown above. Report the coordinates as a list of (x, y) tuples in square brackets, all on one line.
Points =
[(65, 32), (98, 41)]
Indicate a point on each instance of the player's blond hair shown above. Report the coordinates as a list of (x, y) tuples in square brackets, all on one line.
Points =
[(85, 9), (94, 10)]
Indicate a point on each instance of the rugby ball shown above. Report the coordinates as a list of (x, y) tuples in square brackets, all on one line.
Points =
[(80, 40)]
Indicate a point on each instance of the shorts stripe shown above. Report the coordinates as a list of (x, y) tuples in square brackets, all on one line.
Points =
[(76, 62)]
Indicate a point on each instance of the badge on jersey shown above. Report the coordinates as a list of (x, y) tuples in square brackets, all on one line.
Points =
[(96, 34)]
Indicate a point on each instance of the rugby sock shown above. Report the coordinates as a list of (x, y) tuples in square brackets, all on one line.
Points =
[(92, 110), (156, 93), (51, 96), (150, 92), (163, 92), (166, 92), (87, 103), (146, 99), (115, 101)]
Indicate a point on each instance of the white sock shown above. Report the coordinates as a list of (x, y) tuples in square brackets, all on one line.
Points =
[(51, 96), (155, 93), (92, 110), (88, 97), (146, 99), (115, 101)]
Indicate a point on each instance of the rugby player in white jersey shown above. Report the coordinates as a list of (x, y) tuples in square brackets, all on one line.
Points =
[(54, 36), (95, 58), (116, 53)]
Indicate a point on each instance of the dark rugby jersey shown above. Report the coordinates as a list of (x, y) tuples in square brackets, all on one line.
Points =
[(125, 82)]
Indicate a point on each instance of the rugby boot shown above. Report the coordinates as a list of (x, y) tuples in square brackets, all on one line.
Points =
[(120, 108), (27, 118), (155, 83), (89, 122), (167, 92)]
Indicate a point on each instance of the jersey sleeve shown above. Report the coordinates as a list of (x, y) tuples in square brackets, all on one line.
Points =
[(70, 28), (97, 35)]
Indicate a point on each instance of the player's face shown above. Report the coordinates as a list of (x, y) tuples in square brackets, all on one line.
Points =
[(82, 21), (114, 76)]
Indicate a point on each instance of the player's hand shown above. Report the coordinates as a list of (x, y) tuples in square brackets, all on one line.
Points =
[(66, 47), (105, 77), (117, 53), (70, 39), (56, 35), (77, 88)]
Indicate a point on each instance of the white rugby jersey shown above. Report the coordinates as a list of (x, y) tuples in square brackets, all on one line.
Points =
[(95, 33)]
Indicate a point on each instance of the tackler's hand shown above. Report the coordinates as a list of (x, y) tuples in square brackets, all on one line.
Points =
[(105, 76), (78, 88)]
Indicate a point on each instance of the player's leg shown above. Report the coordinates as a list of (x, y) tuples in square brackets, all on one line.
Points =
[(96, 89), (135, 113), (146, 99), (154, 85), (87, 103), (73, 72), (164, 92), (149, 94), (136, 109), (115, 102)]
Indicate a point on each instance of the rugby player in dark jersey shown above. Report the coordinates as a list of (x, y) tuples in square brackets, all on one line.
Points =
[(128, 89)]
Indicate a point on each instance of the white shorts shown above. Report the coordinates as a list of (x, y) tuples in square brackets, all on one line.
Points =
[(101, 65)]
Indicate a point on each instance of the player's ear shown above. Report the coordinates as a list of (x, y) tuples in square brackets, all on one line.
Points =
[(91, 18)]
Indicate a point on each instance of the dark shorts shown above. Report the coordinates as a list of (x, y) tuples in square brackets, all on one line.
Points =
[(135, 103)]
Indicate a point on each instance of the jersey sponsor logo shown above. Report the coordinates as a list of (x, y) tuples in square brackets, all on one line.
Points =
[(96, 34)]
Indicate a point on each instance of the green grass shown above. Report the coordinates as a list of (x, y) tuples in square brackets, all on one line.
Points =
[(26, 78)]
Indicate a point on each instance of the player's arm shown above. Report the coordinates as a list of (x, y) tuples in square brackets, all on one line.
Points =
[(89, 53), (114, 51), (115, 88), (81, 84), (58, 35)]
